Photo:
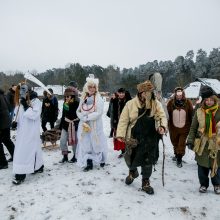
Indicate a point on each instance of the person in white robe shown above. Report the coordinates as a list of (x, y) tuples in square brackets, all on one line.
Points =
[(28, 154), (92, 142)]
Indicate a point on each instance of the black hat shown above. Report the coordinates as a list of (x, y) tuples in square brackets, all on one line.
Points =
[(33, 95), (51, 90), (207, 92), (73, 84), (121, 90)]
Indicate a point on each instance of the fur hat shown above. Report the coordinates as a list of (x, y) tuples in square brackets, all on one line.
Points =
[(146, 86), (207, 92), (68, 92)]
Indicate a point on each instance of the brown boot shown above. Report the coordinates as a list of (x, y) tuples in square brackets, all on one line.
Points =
[(132, 175), (146, 186)]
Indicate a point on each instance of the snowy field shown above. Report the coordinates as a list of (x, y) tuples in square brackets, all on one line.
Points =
[(64, 192)]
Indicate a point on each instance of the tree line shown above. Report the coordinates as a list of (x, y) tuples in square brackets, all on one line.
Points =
[(180, 72)]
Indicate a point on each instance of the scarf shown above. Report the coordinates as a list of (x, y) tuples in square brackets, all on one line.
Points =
[(210, 124), (72, 138), (66, 104)]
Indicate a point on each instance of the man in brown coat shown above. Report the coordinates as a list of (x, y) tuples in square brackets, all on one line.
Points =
[(180, 112)]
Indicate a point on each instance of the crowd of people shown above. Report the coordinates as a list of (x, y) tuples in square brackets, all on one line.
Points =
[(137, 125)]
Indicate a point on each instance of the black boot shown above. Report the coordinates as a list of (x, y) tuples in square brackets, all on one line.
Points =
[(73, 160), (102, 164), (89, 165), (131, 176), (3, 166), (179, 160), (65, 159), (19, 178), (147, 187), (40, 170), (174, 158)]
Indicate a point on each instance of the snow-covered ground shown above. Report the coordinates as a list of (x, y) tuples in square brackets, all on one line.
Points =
[(64, 191)]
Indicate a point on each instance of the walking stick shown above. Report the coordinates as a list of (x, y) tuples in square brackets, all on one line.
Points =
[(163, 163), (163, 160)]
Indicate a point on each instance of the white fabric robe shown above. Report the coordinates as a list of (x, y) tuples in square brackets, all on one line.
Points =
[(93, 144), (28, 152)]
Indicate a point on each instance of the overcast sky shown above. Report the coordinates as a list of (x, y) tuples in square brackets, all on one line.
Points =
[(45, 34)]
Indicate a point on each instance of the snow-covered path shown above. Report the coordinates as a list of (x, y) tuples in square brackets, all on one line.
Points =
[(64, 192)]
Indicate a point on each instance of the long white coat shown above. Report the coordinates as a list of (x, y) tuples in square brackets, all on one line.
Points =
[(93, 144), (28, 153)]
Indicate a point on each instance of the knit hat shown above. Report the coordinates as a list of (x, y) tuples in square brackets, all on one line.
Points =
[(121, 90), (146, 86), (68, 92), (73, 84), (207, 92)]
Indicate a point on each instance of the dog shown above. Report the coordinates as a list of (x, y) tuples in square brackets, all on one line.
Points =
[(51, 136)]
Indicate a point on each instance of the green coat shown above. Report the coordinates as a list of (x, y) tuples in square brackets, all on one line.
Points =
[(196, 130)]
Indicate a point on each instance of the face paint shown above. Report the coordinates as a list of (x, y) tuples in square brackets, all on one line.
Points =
[(23, 91)]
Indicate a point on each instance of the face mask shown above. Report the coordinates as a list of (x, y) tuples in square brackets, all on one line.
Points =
[(23, 91)]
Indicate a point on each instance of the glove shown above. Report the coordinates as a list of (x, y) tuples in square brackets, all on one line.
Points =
[(14, 125), (24, 103), (190, 146)]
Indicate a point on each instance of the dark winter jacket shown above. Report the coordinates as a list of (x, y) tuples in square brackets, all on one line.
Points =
[(4, 111), (10, 98), (69, 112), (50, 113), (145, 133), (116, 110)]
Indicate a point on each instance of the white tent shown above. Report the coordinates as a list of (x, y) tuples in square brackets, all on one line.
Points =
[(192, 90)]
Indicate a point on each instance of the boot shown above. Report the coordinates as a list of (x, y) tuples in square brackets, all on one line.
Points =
[(147, 187), (122, 154), (65, 159), (179, 161), (73, 160), (174, 158), (19, 178), (89, 166), (40, 170), (3, 166), (131, 176), (102, 164)]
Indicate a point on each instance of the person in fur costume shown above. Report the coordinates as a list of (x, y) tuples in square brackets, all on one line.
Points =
[(204, 140), (180, 110), (140, 123), (69, 125), (92, 143), (28, 153), (117, 107)]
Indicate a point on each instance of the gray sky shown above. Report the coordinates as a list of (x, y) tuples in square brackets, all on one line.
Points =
[(44, 34)]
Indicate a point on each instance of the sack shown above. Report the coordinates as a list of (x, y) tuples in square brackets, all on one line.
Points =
[(197, 144), (130, 144)]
